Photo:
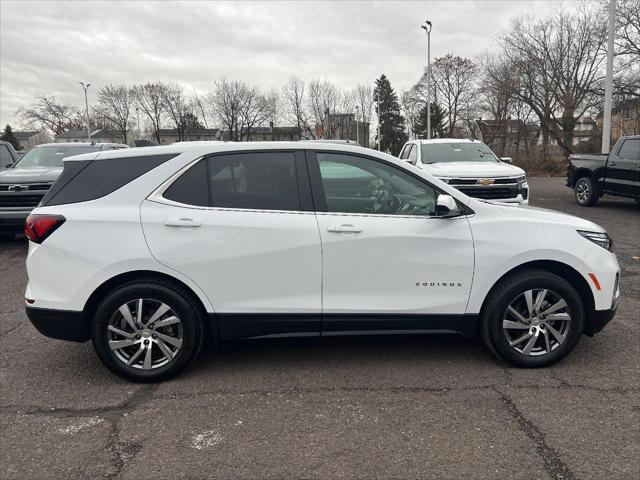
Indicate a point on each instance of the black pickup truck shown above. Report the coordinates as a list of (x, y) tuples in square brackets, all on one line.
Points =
[(618, 173)]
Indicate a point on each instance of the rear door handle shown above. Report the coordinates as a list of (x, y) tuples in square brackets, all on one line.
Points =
[(346, 228), (181, 222)]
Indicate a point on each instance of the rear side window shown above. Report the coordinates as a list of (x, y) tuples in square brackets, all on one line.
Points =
[(256, 181), (86, 180)]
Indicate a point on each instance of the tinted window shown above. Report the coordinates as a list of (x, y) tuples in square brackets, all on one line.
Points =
[(257, 181), (630, 149), (85, 180), (5, 156), (191, 188), (361, 185), (413, 154), (405, 152)]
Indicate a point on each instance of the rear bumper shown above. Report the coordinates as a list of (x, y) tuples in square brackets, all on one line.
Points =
[(60, 324), (598, 320)]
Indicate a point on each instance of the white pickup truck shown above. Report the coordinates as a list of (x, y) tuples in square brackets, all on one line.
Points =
[(469, 166)]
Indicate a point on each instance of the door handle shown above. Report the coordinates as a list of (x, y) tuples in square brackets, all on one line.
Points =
[(346, 228), (181, 222), (612, 163)]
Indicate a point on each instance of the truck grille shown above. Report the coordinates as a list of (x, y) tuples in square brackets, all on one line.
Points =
[(29, 201), (490, 193), (30, 186)]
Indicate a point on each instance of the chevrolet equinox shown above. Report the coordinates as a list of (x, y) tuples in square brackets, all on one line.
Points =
[(147, 252)]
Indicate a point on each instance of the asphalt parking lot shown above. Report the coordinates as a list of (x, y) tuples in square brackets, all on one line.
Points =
[(397, 407)]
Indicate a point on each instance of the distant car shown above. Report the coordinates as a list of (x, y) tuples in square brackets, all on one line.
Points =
[(618, 173), (8, 155), (471, 167), (23, 185)]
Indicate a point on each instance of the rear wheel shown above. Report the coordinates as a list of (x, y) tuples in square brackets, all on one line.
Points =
[(146, 332), (585, 192), (533, 319)]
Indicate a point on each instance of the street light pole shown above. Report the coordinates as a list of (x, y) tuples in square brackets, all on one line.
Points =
[(379, 129), (427, 28), (357, 129), (86, 104), (608, 85)]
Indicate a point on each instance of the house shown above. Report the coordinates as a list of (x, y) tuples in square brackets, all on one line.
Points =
[(343, 126), (170, 135), (507, 137), (100, 136), (268, 134), (625, 119), (584, 129), (27, 140)]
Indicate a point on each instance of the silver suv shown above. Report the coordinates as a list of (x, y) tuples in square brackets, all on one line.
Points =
[(23, 185)]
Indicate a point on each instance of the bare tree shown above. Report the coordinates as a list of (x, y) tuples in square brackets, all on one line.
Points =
[(116, 102), (198, 106), (363, 98), (558, 60), (176, 105), (150, 99), (47, 114), (294, 98), (454, 81)]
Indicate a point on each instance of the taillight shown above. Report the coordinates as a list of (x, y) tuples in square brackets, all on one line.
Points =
[(38, 227)]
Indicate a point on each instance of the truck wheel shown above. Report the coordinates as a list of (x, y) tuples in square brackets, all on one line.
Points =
[(146, 332), (586, 193), (533, 319)]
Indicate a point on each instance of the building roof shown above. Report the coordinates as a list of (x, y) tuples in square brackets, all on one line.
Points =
[(106, 134), (173, 132), (72, 134), (22, 135)]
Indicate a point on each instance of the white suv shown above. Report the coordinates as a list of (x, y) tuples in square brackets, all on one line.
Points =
[(147, 252), (470, 166)]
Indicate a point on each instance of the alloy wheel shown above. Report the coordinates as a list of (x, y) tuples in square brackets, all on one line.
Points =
[(582, 191), (536, 322), (145, 334)]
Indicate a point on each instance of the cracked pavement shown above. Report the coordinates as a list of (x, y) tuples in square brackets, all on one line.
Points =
[(372, 407)]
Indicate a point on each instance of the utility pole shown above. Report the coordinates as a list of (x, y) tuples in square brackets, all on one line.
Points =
[(379, 129), (357, 129), (138, 122), (427, 28), (86, 105), (608, 86)]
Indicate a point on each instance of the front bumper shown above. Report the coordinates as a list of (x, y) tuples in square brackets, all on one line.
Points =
[(598, 320), (60, 324), (12, 221)]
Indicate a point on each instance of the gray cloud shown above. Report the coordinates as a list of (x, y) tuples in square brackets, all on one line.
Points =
[(46, 47)]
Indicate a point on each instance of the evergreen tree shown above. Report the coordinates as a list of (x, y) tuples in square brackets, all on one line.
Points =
[(8, 136), (392, 128), (438, 116)]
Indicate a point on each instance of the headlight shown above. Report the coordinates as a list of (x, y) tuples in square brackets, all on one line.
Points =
[(598, 238), (522, 178)]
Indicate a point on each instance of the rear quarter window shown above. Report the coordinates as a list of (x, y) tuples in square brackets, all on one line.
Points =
[(86, 180)]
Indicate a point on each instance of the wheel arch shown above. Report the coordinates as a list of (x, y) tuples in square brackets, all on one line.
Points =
[(562, 270), (149, 276)]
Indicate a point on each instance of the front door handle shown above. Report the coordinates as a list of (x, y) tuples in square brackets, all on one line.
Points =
[(181, 222), (613, 164), (346, 228)]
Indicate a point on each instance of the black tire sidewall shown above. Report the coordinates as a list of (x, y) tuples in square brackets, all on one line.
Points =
[(191, 330), (517, 285)]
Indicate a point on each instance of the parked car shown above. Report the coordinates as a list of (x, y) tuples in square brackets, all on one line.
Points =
[(8, 155), (24, 184), (147, 251), (469, 166), (595, 174)]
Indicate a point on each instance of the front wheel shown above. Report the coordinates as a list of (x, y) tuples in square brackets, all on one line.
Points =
[(146, 332), (533, 319), (586, 193)]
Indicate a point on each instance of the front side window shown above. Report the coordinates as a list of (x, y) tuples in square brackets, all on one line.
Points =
[(630, 149), (361, 185), (413, 155), (256, 181)]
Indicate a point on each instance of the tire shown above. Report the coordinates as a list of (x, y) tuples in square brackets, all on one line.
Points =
[(511, 292), (586, 192), (637, 200), (157, 351)]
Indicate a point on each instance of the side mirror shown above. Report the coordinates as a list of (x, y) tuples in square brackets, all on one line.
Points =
[(506, 159), (446, 206)]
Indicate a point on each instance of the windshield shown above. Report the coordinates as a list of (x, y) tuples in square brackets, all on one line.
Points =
[(457, 152), (47, 157)]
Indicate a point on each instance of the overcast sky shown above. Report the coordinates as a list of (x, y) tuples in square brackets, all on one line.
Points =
[(47, 47)]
